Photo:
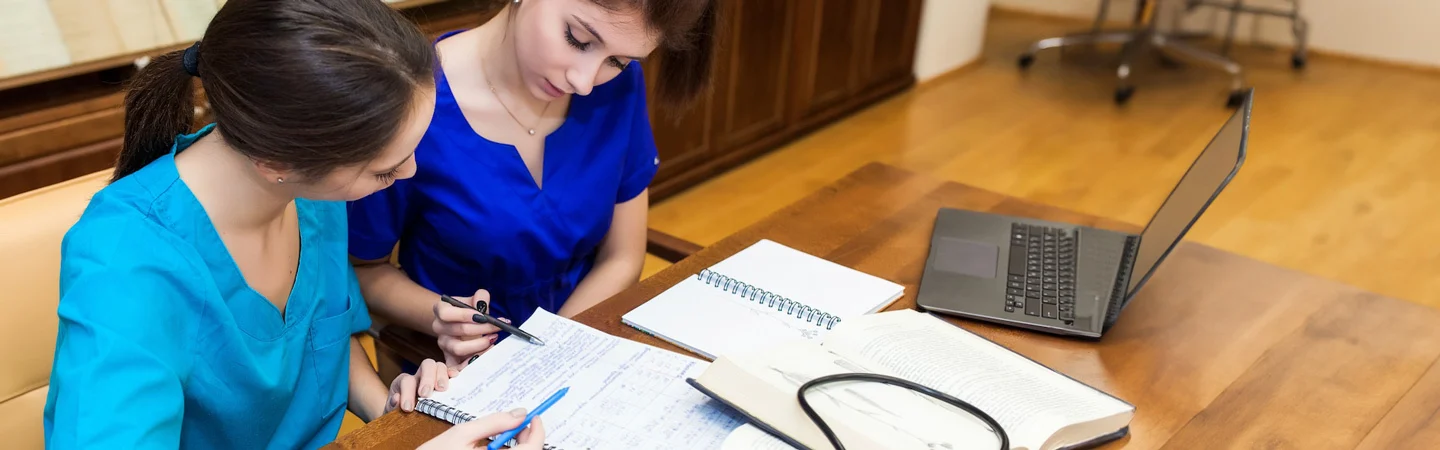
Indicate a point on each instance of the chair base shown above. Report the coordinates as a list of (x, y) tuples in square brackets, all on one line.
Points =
[(1136, 41)]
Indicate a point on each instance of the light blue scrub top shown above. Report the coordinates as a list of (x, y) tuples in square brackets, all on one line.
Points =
[(162, 344)]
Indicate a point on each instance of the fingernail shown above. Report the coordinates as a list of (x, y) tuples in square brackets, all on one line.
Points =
[(472, 359), (518, 412), (505, 320), (478, 318), (493, 338)]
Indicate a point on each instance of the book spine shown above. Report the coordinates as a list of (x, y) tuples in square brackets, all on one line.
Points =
[(455, 416), (769, 299)]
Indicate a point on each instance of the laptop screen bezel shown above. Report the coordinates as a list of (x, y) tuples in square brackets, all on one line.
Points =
[(1244, 145)]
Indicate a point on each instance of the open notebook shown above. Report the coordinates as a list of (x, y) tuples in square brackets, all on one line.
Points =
[(623, 394), (1039, 408), (762, 296)]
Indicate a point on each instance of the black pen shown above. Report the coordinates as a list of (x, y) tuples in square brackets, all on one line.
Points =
[(481, 317)]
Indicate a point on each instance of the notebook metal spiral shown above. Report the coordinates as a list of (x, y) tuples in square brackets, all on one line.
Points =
[(769, 299), (455, 416)]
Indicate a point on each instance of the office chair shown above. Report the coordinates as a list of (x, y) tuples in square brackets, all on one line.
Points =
[(1142, 34), (1298, 25)]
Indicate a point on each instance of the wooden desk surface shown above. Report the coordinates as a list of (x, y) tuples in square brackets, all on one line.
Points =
[(1218, 351)]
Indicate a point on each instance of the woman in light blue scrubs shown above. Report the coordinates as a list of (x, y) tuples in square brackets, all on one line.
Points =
[(534, 174), (206, 296)]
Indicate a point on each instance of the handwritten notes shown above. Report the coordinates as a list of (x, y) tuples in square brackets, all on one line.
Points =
[(623, 394)]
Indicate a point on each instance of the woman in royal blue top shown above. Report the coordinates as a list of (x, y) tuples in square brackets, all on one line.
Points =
[(533, 177), (206, 297)]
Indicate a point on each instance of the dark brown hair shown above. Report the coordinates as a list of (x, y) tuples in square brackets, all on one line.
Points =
[(307, 85), (687, 41)]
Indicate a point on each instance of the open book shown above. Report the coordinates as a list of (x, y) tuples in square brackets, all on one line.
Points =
[(623, 394), (1040, 409), (764, 295)]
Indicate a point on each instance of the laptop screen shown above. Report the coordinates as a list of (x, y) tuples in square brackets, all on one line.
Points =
[(1207, 175)]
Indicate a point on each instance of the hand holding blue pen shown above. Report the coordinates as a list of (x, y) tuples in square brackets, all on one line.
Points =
[(505, 437)]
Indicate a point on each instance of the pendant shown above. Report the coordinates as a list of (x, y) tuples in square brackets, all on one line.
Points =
[(532, 131)]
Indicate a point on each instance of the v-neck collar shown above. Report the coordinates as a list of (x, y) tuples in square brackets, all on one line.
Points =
[(513, 164), (254, 314)]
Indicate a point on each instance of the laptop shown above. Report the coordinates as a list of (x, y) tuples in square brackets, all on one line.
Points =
[(1064, 278)]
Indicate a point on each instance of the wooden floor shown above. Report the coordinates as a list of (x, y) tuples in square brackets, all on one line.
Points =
[(1341, 179)]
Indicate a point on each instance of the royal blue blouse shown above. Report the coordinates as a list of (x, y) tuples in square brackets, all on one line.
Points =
[(473, 217)]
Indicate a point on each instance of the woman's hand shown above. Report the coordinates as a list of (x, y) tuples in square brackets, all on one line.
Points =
[(407, 389), (469, 434), (457, 333)]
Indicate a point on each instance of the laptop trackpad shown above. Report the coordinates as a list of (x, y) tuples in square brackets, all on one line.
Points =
[(976, 259)]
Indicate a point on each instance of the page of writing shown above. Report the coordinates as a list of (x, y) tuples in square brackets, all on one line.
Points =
[(1029, 400), (708, 319), (893, 416), (748, 437), (622, 394)]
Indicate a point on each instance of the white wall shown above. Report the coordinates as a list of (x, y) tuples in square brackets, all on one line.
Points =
[(951, 35), (1404, 31)]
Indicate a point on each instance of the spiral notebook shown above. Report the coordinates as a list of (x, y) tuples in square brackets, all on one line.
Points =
[(765, 294)]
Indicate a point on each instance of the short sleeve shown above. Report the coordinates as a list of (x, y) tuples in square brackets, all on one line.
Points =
[(120, 358), (377, 221), (642, 158)]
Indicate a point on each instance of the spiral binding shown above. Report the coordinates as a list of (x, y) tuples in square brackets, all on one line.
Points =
[(769, 299), (456, 416), (443, 411)]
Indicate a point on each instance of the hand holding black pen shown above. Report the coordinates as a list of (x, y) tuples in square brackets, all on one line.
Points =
[(482, 316)]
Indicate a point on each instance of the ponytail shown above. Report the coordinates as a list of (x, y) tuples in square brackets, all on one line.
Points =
[(159, 104)]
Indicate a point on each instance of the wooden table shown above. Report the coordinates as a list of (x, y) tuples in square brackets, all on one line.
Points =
[(1218, 351)]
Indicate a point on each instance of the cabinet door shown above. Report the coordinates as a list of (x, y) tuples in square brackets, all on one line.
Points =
[(892, 33), (756, 67), (830, 38), (683, 136)]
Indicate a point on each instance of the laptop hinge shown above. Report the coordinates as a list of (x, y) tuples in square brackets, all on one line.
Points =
[(1118, 296)]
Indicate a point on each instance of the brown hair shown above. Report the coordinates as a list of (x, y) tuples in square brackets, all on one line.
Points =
[(687, 40), (309, 85)]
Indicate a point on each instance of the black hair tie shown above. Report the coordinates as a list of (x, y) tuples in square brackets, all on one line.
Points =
[(191, 60)]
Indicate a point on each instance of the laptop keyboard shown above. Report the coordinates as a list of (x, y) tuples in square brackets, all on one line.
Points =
[(1041, 278)]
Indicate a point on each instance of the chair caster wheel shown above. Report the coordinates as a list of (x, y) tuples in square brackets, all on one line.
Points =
[(1122, 94), (1236, 99), (1026, 60), (1297, 61)]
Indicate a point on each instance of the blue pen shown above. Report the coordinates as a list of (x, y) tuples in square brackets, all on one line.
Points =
[(508, 435)]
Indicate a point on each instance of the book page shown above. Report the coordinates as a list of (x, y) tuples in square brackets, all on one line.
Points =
[(1029, 400), (864, 411), (748, 437), (623, 394)]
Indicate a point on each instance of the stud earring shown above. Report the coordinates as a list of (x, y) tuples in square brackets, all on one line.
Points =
[(280, 180)]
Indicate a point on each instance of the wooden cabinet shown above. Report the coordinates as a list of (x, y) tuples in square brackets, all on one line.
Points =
[(782, 69)]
